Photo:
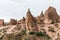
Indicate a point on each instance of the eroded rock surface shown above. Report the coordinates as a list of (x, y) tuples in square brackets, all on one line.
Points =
[(47, 22)]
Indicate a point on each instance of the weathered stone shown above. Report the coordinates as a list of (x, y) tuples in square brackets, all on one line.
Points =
[(12, 36), (51, 13), (29, 16), (32, 24), (22, 21), (40, 18), (1, 22), (30, 20), (13, 22), (41, 15)]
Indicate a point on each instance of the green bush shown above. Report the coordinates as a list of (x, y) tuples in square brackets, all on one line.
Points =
[(39, 34), (31, 33)]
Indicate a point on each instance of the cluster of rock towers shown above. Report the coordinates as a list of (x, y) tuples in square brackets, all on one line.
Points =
[(32, 23)]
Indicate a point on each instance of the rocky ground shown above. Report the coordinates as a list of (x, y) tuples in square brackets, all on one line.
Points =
[(9, 33)]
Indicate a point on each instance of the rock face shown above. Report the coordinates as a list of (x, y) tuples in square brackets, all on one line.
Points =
[(47, 23), (33, 23), (13, 22), (30, 21), (12, 37), (1, 22), (51, 13), (41, 15), (30, 17), (40, 18), (22, 21)]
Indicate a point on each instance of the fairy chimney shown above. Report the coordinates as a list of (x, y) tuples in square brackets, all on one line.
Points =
[(30, 17), (30, 21), (51, 14)]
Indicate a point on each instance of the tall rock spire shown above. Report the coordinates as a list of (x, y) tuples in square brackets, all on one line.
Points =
[(30, 21), (29, 15)]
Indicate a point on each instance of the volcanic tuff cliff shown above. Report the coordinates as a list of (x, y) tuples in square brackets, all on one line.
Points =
[(47, 23)]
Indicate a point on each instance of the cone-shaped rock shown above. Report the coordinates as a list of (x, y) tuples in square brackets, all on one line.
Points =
[(41, 15), (52, 14), (30, 20), (29, 16)]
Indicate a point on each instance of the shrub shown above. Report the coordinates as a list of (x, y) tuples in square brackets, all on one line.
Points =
[(37, 33), (31, 33), (40, 34), (23, 32)]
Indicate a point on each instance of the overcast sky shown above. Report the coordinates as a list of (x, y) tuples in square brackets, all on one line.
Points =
[(18, 8)]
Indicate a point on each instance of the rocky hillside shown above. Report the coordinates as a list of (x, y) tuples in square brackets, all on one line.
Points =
[(46, 26)]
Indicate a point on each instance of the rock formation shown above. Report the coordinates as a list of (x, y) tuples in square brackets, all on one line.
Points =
[(30, 21), (13, 22), (51, 13), (22, 21), (1, 22), (41, 15), (40, 18), (46, 23), (29, 17)]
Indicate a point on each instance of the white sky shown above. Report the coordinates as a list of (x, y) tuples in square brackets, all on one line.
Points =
[(18, 8)]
